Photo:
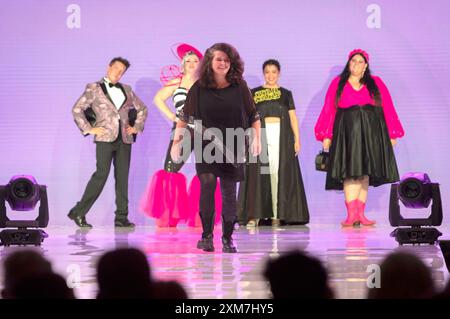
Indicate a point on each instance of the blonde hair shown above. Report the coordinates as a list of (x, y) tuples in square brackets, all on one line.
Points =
[(185, 57)]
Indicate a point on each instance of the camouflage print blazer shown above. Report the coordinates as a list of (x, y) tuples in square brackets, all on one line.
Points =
[(107, 116)]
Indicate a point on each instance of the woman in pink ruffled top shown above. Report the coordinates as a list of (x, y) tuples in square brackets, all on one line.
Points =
[(359, 126)]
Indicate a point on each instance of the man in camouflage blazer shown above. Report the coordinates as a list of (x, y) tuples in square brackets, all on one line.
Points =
[(111, 103)]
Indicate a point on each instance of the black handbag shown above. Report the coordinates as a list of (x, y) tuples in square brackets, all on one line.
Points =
[(322, 161)]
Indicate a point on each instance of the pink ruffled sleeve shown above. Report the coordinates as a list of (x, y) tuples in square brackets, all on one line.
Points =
[(390, 115), (324, 125)]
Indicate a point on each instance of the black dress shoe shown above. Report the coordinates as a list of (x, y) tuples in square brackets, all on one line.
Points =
[(123, 223), (80, 221)]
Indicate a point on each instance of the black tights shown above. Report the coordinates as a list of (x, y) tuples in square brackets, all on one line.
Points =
[(208, 183)]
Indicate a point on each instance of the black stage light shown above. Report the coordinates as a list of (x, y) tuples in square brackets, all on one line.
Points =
[(22, 194), (445, 248), (415, 190)]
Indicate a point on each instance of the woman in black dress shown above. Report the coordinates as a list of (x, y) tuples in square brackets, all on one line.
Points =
[(221, 100), (273, 185)]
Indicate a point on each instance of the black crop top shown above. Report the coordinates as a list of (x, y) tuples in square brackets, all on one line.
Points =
[(269, 102)]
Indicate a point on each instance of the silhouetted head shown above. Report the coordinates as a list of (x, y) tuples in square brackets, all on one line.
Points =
[(295, 275), (124, 273), (20, 265), (403, 276), (43, 286)]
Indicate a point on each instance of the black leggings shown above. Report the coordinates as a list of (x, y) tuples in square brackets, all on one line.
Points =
[(208, 183)]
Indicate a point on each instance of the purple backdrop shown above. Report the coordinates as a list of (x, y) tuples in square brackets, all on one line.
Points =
[(51, 49)]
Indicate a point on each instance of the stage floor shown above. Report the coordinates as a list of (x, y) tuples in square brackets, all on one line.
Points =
[(172, 253)]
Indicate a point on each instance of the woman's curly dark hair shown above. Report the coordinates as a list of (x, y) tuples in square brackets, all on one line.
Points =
[(367, 79), (234, 75)]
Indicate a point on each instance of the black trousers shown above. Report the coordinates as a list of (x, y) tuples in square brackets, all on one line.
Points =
[(119, 154), (208, 184)]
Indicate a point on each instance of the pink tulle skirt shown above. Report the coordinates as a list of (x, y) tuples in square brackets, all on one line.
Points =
[(193, 218), (166, 199)]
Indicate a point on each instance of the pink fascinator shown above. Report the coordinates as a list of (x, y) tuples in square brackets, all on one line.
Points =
[(180, 50), (171, 72)]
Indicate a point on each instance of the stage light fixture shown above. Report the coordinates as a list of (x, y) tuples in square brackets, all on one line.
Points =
[(22, 194), (415, 190)]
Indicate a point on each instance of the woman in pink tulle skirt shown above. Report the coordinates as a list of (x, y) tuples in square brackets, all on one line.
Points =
[(166, 198)]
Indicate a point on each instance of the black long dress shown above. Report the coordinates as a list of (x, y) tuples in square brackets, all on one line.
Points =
[(255, 200)]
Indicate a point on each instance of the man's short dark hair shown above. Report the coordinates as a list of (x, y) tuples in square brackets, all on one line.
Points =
[(121, 60)]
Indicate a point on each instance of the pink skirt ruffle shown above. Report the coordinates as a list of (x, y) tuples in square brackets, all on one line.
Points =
[(166, 199)]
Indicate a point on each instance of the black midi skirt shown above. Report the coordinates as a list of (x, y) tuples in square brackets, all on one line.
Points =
[(360, 147)]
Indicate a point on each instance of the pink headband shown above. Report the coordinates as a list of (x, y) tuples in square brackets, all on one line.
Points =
[(359, 51)]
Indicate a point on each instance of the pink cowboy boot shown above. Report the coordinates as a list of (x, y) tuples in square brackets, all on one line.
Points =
[(364, 221), (352, 214)]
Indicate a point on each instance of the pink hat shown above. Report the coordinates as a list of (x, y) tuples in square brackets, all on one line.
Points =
[(180, 50), (359, 51)]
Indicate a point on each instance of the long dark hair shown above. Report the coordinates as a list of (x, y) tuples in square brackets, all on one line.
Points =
[(234, 75), (367, 79)]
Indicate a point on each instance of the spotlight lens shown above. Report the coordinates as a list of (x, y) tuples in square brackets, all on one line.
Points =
[(23, 189), (411, 189)]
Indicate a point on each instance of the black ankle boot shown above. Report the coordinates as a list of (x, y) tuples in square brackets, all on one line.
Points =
[(228, 246), (206, 244), (227, 240)]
